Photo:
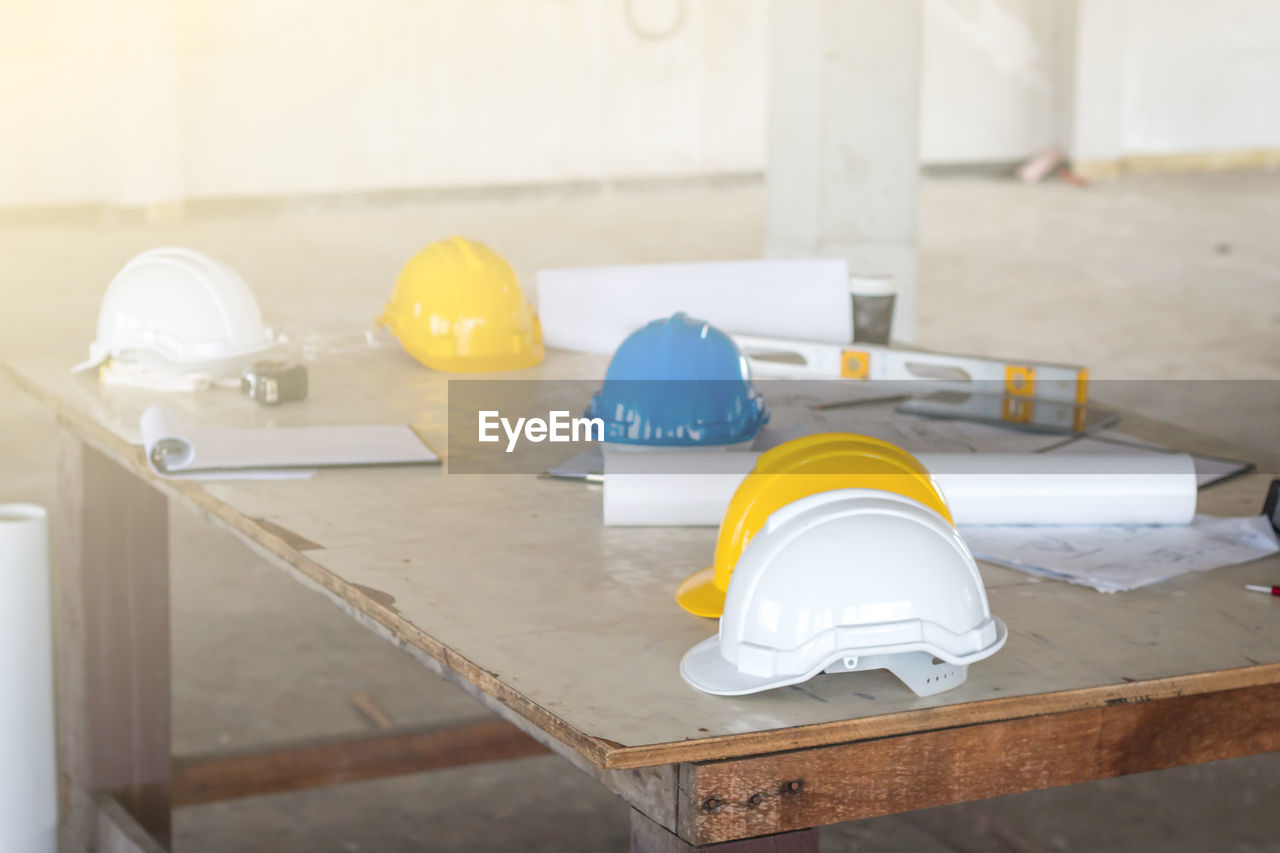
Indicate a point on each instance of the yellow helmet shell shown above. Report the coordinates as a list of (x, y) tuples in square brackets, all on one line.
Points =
[(797, 469), (458, 307)]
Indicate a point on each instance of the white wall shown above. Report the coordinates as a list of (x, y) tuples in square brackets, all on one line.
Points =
[(388, 93), (130, 101), (138, 101), (53, 116), (1201, 75), (991, 84), (1160, 77)]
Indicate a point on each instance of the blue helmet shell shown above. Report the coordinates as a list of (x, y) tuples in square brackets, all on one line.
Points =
[(678, 382)]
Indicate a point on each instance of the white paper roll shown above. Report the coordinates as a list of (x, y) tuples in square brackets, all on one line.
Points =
[(980, 488), (592, 309), (666, 489), (28, 770), (1041, 488)]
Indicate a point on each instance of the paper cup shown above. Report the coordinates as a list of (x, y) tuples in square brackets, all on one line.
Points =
[(872, 301)]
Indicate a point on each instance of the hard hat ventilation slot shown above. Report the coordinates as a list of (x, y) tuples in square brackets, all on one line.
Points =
[(923, 370)]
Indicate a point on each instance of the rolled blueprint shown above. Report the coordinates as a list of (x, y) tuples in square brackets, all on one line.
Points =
[(665, 489), (28, 780), (592, 309), (1075, 488), (980, 488)]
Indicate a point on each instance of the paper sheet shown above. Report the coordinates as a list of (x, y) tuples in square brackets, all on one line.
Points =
[(592, 309), (913, 433), (928, 435), (1123, 557), (273, 452)]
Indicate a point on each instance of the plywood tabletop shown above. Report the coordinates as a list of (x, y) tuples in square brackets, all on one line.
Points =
[(513, 583)]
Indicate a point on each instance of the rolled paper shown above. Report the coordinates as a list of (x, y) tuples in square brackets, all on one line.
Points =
[(693, 490), (28, 768), (1040, 488), (592, 309), (671, 489)]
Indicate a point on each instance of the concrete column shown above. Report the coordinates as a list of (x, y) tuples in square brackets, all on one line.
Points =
[(843, 163), (1096, 83)]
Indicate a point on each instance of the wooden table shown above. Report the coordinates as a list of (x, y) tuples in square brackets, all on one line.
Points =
[(510, 588)]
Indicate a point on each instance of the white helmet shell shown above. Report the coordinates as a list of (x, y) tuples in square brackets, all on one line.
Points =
[(182, 308), (849, 579)]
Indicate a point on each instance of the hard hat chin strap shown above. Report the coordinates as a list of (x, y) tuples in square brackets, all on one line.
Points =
[(134, 375), (921, 671)]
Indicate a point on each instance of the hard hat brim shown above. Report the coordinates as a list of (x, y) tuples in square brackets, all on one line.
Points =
[(700, 596), (227, 363), (704, 668), (495, 363)]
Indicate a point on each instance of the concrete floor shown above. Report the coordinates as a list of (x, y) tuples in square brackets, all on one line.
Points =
[(1151, 277)]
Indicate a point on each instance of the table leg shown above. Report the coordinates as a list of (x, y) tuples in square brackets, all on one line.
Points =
[(111, 645), (650, 837)]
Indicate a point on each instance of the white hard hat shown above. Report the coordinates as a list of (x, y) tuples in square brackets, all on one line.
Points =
[(181, 308), (849, 579)]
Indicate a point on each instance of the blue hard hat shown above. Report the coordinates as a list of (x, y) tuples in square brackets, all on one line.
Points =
[(681, 382)]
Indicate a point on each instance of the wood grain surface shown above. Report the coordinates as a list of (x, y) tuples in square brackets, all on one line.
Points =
[(510, 586), (776, 793), (115, 830), (252, 772), (648, 837)]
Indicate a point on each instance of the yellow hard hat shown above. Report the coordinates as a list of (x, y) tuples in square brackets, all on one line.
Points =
[(797, 469), (458, 306)]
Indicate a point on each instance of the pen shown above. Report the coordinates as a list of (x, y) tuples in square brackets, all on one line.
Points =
[(1269, 590)]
